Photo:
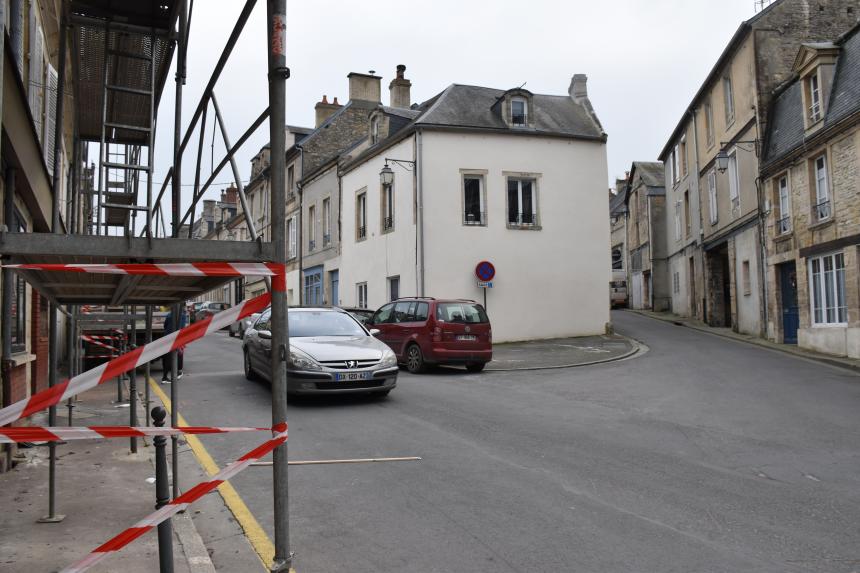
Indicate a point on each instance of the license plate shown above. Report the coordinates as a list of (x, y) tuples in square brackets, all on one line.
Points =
[(347, 376), (466, 337)]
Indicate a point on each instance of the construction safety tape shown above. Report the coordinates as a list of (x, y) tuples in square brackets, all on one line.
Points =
[(164, 269), (178, 504), (66, 433), (130, 360)]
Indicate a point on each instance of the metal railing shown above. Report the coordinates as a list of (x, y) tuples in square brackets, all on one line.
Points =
[(822, 210), (312, 244), (783, 225), (815, 111), (326, 240), (387, 223), (524, 220), (472, 219), (362, 232)]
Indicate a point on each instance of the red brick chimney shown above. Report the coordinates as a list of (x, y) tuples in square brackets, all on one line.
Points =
[(324, 110)]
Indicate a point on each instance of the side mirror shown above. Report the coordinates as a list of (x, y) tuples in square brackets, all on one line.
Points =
[(264, 334), (374, 331)]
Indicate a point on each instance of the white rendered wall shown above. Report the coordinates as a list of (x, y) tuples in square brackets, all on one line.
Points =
[(551, 282), (380, 255)]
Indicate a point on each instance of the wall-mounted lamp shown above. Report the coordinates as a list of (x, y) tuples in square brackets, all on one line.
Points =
[(722, 159), (386, 176)]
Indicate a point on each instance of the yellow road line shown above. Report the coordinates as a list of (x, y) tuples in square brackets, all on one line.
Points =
[(261, 543)]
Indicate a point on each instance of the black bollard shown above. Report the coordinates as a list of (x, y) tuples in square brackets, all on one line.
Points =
[(162, 495)]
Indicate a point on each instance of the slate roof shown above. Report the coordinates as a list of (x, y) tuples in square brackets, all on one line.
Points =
[(785, 132), (651, 172), (618, 203), (473, 107)]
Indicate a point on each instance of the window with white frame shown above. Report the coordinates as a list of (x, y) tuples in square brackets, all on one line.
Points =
[(709, 123), (291, 237), (783, 223), (677, 220), (675, 166), (291, 179), (822, 188), (676, 283), (474, 211), (361, 294), (522, 202), (729, 99), (326, 221), (827, 286), (519, 112), (734, 181), (361, 216), (712, 197), (387, 208), (814, 98), (682, 151), (312, 227)]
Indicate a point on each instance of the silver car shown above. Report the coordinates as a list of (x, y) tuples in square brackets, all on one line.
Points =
[(330, 352)]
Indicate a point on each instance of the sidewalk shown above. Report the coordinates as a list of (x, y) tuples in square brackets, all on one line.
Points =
[(101, 488), (838, 361), (560, 352)]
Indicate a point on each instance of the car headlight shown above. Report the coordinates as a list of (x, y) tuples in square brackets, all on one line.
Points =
[(388, 358), (301, 361)]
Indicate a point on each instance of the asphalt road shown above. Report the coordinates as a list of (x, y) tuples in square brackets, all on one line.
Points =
[(703, 455)]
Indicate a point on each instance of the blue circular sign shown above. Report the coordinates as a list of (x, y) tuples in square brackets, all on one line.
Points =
[(485, 271)]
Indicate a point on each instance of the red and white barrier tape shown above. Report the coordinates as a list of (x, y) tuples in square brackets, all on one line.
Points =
[(178, 504), (137, 357), (164, 269), (103, 336), (60, 433), (91, 340)]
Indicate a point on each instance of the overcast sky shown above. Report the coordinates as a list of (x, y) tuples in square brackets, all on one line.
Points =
[(644, 61)]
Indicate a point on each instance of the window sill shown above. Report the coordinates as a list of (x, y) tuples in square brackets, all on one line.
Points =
[(821, 224), (21, 358), (524, 227), (474, 224), (784, 237), (830, 325), (386, 231)]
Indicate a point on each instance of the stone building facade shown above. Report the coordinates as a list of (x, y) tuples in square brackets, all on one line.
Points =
[(717, 141), (646, 242), (811, 182)]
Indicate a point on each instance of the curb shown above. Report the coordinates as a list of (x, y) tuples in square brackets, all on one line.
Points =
[(636, 347), (755, 342)]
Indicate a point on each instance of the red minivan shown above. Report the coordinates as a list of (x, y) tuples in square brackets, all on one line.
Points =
[(424, 331)]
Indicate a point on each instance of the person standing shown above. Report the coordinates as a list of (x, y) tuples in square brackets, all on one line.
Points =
[(171, 324)]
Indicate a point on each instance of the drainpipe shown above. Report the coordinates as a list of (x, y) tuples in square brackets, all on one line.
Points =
[(419, 168), (299, 231), (8, 278), (692, 113)]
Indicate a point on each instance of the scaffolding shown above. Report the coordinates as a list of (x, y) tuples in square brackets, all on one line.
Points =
[(121, 54)]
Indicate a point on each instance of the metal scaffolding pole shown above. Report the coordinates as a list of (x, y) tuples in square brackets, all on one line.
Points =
[(276, 21), (8, 278), (197, 171), (146, 399), (177, 196), (132, 382)]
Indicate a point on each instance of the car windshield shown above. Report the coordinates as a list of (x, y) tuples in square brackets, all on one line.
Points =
[(306, 323), (465, 312)]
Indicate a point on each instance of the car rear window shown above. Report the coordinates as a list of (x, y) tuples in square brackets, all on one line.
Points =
[(466, 312)]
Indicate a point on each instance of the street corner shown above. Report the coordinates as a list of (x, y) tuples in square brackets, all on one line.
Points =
[(563, 352)]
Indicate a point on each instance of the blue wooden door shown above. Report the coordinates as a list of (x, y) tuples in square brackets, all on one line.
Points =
[(335, 278), (313, 287), (790, 314)]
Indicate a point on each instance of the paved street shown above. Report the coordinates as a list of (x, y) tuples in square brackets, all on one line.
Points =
[(703, 454)]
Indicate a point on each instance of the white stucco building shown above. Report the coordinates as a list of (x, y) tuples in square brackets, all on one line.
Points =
[(483, 174)]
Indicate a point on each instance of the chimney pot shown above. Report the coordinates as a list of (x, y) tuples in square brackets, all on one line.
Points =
[(324, 99), (400, 70), (578, 89), (335, 101)]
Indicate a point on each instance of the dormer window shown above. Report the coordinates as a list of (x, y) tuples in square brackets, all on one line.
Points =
[(374, 130), (815, 65), (519, 112)]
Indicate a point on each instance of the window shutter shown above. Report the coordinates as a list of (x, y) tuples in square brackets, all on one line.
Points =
[(51, 81)]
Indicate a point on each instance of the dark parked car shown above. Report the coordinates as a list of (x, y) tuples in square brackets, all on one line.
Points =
[(330, 353), (207, 309), (424, 331), (362, 315)]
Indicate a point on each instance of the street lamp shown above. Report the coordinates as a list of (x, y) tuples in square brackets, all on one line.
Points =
[(386, 176), (722, 160)]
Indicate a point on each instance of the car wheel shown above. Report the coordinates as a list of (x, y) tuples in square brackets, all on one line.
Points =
[(249, 372), (415, 359), (475, 366), (232, 334)]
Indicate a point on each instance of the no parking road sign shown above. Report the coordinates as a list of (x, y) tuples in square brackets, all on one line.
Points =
[(485, 272)]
